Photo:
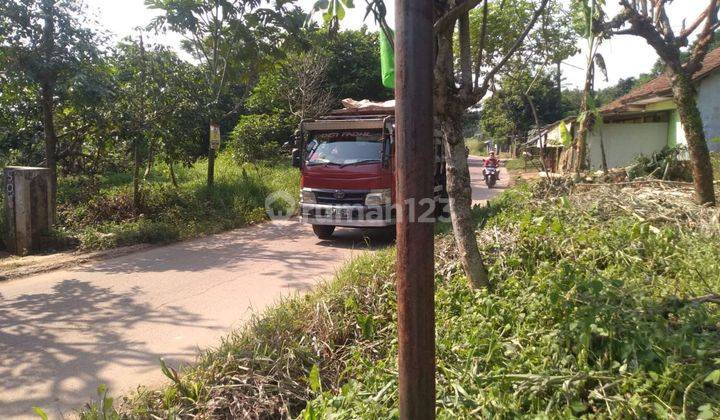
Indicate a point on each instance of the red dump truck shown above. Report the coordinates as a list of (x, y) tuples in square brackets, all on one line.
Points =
[(347, 161)]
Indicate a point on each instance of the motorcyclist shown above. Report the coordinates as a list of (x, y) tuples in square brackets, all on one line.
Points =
[(492, 162)]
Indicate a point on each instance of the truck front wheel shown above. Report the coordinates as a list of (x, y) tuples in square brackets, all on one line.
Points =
[(323, 231)]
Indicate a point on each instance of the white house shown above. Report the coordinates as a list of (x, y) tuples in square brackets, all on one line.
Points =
[(646, 120)]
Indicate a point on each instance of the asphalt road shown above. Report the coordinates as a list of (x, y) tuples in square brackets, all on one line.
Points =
[(64, 333)]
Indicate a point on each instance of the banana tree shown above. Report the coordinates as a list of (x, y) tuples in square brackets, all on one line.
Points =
[(333, 11), (590, 12)]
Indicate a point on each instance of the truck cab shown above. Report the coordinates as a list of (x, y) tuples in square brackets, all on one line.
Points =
[(347, 162)]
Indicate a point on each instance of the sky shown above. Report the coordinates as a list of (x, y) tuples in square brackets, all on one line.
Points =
[(625, 56)]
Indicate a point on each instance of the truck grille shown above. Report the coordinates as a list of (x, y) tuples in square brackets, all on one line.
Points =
[(341, 197)]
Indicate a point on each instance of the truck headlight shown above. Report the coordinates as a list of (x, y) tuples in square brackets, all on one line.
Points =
[(378, 197), (308, 197)]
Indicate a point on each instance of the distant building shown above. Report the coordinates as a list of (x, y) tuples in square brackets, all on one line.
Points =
[(646, 119)]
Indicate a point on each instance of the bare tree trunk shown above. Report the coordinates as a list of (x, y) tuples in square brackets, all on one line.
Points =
[(685, 94), (47, 101), (460, 192), (604, 156), (537, 127), (582, 133), (449, 113), (48, 104), (211, 171), (173, 178), (150, 161), (136, 175)]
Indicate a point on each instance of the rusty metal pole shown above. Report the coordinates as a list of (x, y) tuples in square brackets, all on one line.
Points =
[(415, 179)]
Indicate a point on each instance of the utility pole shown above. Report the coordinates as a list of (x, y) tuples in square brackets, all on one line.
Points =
[(415, 179)]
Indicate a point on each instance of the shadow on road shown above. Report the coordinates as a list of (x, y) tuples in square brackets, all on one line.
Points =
[(56, 344), (359, 239)]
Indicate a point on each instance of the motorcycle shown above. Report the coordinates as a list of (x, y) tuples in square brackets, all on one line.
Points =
[(491, 176)]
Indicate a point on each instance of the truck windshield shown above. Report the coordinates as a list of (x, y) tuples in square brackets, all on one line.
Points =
[(344, 149)]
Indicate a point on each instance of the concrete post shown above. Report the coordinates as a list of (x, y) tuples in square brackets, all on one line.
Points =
[(28, 212)]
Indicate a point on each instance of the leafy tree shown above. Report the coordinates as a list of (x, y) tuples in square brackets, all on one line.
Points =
[(259, 137), (622, 87), (464, 79), (512, 110), (297, 86), (353, 64), (232, 40), (355, 75), (588, 13), (155, 107), (570, 102), (44, 43)]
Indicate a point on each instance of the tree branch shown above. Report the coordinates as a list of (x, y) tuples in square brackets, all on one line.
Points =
[(479, 93), (465, 53), (705, 38), (685, 33), (447, 21), (483, 41)]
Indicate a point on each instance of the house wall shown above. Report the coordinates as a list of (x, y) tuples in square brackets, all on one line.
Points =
[(709, 104), (625, 141), (676, 134)]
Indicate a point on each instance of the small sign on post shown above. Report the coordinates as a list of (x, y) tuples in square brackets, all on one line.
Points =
[(215, 137)]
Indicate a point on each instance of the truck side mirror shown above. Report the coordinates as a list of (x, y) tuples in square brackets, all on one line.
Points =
[(387, 145), (296, 158), (291, 143)]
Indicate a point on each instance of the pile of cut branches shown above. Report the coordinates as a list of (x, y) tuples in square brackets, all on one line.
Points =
[(655, 202)]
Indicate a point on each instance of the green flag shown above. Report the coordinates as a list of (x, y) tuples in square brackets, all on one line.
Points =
[(387, 61)]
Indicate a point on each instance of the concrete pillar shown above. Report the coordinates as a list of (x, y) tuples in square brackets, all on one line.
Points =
[(27, 207)]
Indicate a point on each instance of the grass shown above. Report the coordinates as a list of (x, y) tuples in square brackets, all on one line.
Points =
[(99, 212), (519, 165), (592, 315), (477, 148)]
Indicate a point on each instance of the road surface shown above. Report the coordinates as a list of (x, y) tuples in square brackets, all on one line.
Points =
[(65, 332)]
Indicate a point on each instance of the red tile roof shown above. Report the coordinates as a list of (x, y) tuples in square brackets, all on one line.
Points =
[(661, 85)]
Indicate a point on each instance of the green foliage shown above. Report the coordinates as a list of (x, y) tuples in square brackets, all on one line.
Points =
[(508, 114), (549, 43), (102, 409), (355, 75), (258, 137), (333, 11), (157, 103), (587, 320), (99, 211), (565, 135), (664, 164), (40, 413), (354, 69), (477, 147), (592, 316)]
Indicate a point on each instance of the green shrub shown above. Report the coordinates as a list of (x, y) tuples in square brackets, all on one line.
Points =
[(664, 164), (99, 211), (259, 136)]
